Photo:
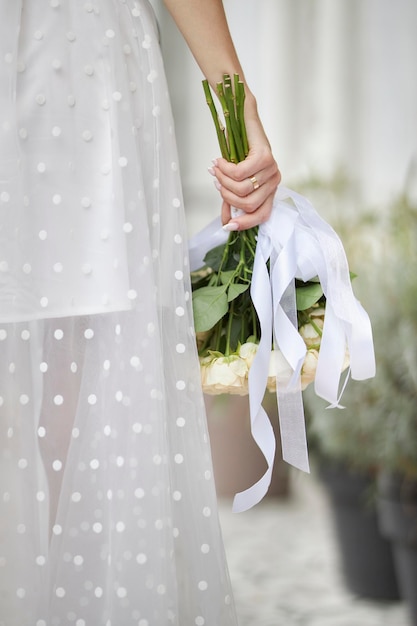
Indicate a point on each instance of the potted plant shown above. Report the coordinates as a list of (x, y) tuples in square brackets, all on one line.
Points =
[(397, 398), (346, 454), (381, 418), (344, 443)]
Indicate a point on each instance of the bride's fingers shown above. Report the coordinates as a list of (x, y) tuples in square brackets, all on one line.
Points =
[(251, 202), (255, 162), (249, 185), (243, 188), (246, 220), (225, 213)]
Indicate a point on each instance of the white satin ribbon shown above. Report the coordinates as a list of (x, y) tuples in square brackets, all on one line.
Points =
[(298, 243)]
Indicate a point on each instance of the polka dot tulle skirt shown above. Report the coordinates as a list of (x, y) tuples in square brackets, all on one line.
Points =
[(107, 504)]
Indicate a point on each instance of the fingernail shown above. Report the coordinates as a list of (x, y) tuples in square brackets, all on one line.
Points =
[(217, 184), (231, 226), (211, 171), (214, 161)]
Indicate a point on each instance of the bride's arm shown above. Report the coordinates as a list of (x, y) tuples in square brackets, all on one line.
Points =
[(204, 27)]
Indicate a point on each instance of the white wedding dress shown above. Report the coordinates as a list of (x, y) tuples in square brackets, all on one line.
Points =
[(107, 505)]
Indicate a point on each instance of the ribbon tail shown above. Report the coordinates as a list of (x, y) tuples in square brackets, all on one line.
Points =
[(361, 346), (263, 434), (262, 431), (292, 428), (289, 342), (289, 397)]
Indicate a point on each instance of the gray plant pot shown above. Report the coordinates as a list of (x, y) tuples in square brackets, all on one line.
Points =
[(365, 555), (397, 512)]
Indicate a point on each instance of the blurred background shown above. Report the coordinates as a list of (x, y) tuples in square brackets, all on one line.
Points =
[(336, 83)]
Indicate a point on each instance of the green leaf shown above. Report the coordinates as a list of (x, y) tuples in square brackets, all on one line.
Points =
[(209, 306), (227, 277), (214, 257), (235, 289), (308, 295)]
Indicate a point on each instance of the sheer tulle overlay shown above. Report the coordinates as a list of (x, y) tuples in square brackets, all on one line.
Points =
[(107, 503)]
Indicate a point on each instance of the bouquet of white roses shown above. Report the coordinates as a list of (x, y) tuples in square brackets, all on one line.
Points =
[(274, 308)]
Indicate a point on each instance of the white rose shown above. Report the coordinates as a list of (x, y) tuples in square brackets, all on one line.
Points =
[(226, 374), (308, 371), (247, 352), (318, 311), (311, 337), (279, 368)]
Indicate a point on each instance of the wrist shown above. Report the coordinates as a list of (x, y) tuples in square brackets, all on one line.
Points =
[(252, 118), (251, 106)]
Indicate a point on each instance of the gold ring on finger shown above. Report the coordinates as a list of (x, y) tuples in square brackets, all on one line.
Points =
[(254, 182)]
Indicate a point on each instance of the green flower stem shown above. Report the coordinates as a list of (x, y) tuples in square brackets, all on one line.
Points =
[(316, 328), (224, 258), (240, 107), (235, 266), (235, 146), (226, 113), (254, 320), (248, 247), (304, 319), (243, 331), (219, 128), (242, 271), (227, 81), (242, 251), (230, 102), (218, 335), (229, 327), (250, 240)]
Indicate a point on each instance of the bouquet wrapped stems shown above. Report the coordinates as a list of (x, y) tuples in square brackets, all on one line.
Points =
[(233, 145)]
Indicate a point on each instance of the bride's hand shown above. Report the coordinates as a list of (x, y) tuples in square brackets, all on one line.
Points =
[(249, 185)]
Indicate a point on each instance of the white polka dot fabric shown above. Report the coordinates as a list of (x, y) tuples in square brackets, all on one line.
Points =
[(107, 505)]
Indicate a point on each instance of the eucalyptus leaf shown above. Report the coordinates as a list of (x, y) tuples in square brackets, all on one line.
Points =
[(235, 289), (209, 306), (308, 295)]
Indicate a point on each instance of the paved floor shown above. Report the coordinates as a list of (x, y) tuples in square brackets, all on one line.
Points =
[(284, 567)]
